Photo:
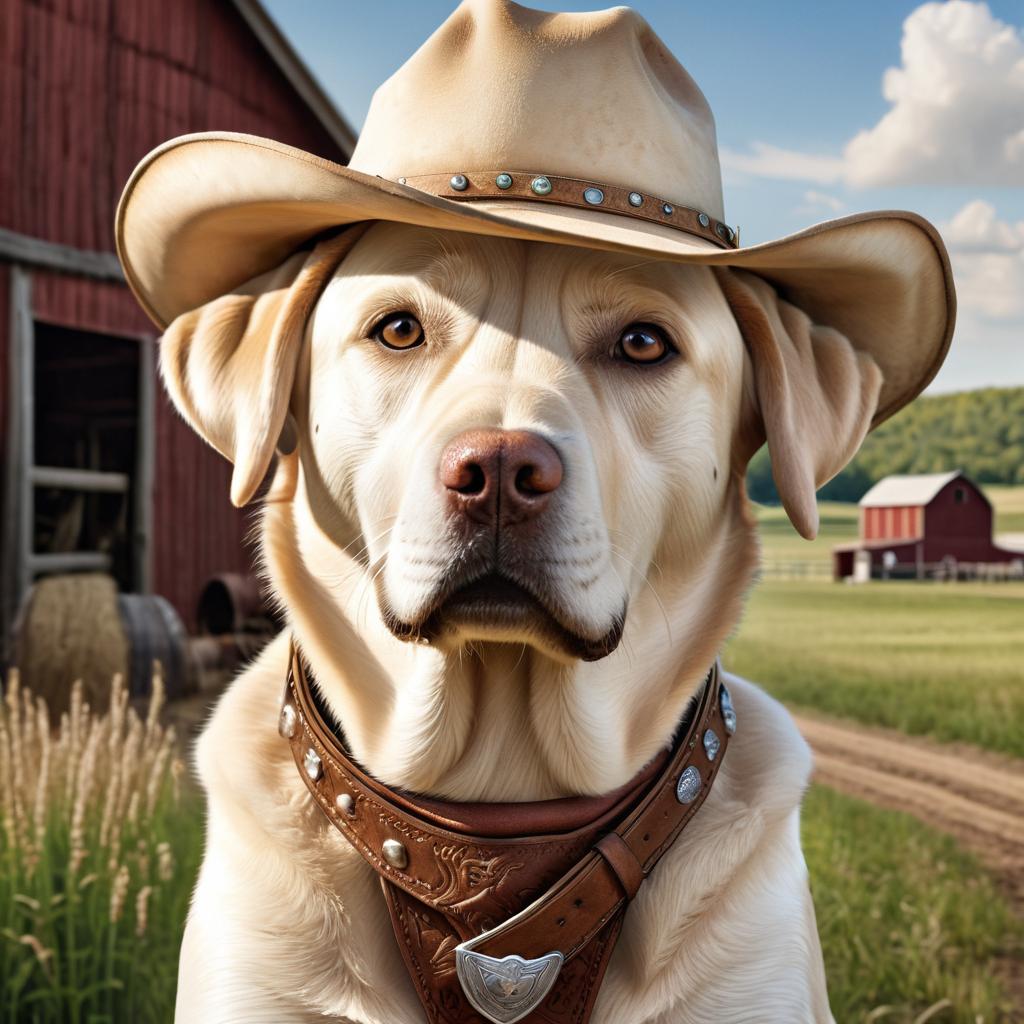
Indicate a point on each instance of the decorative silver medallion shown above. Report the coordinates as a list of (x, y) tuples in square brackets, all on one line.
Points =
[(505, 990), (459, 182), (712, 744), (503, 181), (594, 196), (313, 765), (541, 186), (345, 804), (635, 199), (395, 854), (728, 711), (688, 786), (287, 721), (705, 220), (666, 208)]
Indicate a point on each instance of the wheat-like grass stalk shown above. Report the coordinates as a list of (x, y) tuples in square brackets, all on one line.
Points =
[(92, 833)]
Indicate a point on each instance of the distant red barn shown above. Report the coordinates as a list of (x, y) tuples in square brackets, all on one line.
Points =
[(909, 524), (98, 470)]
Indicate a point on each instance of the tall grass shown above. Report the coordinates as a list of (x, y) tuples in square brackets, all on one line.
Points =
[(98, 854), (912, 929)]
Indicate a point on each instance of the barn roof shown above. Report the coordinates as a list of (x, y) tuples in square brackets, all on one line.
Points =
[(907, 489), (299, 76)]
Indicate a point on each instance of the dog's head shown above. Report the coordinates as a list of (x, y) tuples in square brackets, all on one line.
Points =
[(506, 437)]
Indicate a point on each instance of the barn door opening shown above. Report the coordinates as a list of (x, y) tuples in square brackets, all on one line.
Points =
[(80, 455), (87, 446)]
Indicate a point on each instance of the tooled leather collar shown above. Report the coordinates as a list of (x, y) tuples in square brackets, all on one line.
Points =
[(508, 912)]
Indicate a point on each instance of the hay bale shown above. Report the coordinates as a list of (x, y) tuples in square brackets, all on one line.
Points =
[(69, 628)]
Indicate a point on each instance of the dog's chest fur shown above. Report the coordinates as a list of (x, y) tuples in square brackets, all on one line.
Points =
[(289, 923)]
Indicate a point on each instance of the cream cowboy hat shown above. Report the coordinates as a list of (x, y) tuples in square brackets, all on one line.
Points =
[(574, 129)]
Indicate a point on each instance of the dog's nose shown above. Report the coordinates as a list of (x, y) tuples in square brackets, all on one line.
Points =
[(499, 473)]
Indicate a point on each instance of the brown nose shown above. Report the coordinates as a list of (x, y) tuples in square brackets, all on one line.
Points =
[(505, 475)]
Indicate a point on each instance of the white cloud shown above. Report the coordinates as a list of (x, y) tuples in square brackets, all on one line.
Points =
[(815, 200), (772, 162), (988, 262), (957, 114), (958, 104)]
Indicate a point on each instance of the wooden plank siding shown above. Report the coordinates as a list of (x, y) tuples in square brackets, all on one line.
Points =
[(90, 87), (87, 88)]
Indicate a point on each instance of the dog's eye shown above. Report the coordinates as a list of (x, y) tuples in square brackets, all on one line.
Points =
[(399, 330), (644, 344)]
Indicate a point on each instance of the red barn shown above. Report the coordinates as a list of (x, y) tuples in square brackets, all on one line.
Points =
[(99, 472), (909, 525)]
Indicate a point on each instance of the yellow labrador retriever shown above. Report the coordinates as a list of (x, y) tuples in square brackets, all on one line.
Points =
[(529, 458)]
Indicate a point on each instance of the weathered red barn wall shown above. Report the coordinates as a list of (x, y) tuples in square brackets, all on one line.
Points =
[(962, 531), (90, 86), (87, 88)]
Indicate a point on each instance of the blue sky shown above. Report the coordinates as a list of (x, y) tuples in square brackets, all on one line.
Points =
[(791, 84)]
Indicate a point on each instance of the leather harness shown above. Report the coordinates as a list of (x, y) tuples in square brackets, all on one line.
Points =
[(508, 912)]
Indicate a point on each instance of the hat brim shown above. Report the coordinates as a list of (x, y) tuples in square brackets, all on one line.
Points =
[(204, 213)]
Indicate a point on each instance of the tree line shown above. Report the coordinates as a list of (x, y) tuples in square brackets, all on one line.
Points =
[(980, 432)]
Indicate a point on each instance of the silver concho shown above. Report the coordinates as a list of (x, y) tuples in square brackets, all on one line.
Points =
[(688, 786), (395, 854), (287, 721), (728, 711), (312, 764), (712, 744), (505, 990)]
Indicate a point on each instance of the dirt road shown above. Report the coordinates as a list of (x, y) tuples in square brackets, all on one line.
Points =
[(976, 797)]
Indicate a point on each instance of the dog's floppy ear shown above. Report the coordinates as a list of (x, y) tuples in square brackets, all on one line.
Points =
[(229, 365), (815, 392)]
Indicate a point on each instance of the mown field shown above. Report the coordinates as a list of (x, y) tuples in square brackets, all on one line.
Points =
[(908, 921)]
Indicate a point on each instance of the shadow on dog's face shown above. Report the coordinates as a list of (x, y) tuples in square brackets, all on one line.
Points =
[(510, 437)]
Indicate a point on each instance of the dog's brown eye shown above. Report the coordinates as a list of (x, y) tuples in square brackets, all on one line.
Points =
[(399, 330), (643, 343)]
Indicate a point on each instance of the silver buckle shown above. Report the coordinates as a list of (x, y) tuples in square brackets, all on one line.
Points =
[(505, 990)]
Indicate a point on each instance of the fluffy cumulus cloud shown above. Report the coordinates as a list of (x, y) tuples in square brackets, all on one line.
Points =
[(988, 261), (957, 114)]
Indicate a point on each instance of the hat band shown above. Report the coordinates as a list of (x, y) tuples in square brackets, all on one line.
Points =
[(466, 186)]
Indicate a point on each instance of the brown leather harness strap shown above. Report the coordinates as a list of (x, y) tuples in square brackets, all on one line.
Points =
[(507, 927)]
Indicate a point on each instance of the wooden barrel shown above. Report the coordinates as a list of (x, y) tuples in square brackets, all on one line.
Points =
[(233, 602), (155, 633)]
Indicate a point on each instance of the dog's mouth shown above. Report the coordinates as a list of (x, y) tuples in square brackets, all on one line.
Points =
[(495, 607)]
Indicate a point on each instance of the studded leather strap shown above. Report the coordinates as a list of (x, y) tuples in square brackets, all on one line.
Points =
[(587, 195), (514, 908)]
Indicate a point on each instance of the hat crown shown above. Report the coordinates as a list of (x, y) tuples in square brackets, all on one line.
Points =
[(594, 95)]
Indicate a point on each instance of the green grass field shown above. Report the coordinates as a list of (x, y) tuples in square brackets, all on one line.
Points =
[(906, 919)]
